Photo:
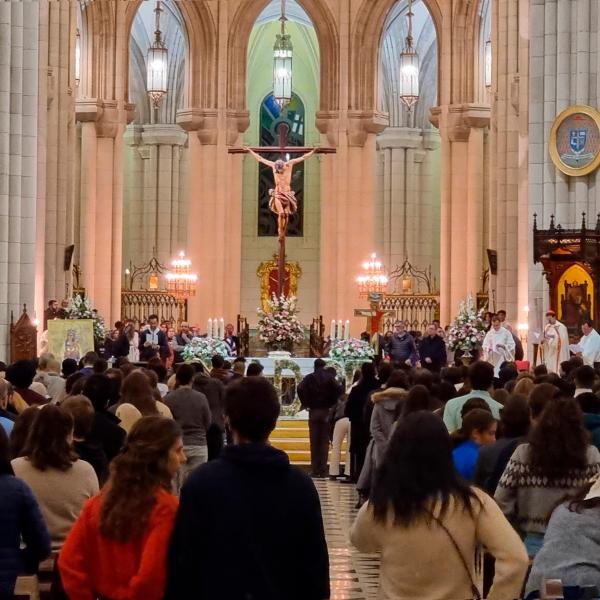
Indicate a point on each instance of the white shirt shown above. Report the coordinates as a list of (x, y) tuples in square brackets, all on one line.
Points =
[(590, 345), (495, 355)]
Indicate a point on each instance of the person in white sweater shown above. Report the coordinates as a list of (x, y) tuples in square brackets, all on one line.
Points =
[(61, 483), (428, 523)]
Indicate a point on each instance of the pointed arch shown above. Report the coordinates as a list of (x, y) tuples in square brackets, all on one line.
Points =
[(237, 44), (365, 46), (201, 56)]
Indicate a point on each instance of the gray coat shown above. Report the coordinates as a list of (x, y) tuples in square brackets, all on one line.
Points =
[(384, 414)]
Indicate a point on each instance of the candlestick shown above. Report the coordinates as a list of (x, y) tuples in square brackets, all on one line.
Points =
[(347, 330), (332, 330)]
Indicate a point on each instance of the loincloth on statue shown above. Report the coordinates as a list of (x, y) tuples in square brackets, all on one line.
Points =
[(283, 202)]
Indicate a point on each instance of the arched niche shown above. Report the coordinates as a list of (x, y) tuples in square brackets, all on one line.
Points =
[(200, 62), (367, 33), (326, 30)]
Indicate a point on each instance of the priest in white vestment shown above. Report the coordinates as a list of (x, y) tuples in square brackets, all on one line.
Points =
[(589, 344), (555, 343), (498, 345)]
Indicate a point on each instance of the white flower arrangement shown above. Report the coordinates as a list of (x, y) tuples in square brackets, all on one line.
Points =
[(81, 308), (351, 349), (468, 329), (204, 349), (280, 326)]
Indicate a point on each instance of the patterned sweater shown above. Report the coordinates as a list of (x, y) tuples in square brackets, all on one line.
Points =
[(528, 499)]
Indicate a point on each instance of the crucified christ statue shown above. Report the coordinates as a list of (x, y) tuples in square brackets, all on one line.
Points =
[(282, 199)]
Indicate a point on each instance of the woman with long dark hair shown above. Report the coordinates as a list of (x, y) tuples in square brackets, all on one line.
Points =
[(60, 481), (20, 520), (428, 522), (557, 461), (128, 525)]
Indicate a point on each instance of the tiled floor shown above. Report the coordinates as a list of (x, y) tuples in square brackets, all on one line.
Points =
[(354, 576)]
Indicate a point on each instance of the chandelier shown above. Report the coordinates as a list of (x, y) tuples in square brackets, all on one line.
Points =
[(282, 64), (157, 64), (181, 282), (409, 67), (372, 279)]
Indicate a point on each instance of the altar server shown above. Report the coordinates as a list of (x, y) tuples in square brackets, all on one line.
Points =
[(555, 343), (498, 345), (589, 344)]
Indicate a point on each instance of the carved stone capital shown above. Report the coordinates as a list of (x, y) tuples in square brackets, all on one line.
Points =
[(110, 116), (328, 123), (164, 134), (201, 120), (363, 123), (237, 122), (400, 137), (457, 120)]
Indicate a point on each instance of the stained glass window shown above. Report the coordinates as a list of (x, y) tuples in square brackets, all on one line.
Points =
[(270, 117)]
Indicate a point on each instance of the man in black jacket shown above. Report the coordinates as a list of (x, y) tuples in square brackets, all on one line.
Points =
[(318, 392), (432, 351), (245, 517)]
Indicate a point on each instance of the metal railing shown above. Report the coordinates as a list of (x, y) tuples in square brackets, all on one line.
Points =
[(417, 311), (140, 304)]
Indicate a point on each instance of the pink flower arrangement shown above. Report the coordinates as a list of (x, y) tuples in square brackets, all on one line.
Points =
[(468, 329), (280, 324)]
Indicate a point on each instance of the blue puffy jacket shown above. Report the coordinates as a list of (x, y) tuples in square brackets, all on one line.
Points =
[(20, 519)]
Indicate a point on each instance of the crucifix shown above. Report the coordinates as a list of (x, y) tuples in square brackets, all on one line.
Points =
[(282, 199)]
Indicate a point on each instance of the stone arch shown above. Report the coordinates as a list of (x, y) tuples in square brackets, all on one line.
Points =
[(365, 46), (237, 44), (201, 56)]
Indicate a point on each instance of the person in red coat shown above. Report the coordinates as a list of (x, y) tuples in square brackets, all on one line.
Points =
[(117, 549)]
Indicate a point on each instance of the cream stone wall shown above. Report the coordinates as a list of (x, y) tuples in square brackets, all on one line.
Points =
[(563, 63)]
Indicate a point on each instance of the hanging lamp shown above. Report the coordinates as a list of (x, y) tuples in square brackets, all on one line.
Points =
[(282, 64), (409, 67), (157, 64)]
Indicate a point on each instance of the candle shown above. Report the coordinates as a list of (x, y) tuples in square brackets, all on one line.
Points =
[(215, 329), (221, 328), (209, 328), (332, 330), (340, 332), (347, 330)]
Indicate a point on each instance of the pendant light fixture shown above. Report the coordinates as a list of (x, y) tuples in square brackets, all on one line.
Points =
[(282, 64)]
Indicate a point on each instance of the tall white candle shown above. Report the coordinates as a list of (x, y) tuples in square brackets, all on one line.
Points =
[(332, 330), (209, 328), (215, 331), (221, 328), (340, 330), (347, 330)]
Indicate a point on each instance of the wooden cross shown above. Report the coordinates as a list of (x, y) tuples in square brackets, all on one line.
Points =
[(283, 149)]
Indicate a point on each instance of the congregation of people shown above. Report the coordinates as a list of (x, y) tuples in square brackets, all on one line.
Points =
[(155, 479)]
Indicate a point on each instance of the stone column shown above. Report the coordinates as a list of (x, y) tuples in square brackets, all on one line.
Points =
[(214, 215), (19, 28), (101, 216), (348, 190), (161, 147), (408, 224), (461, 240)]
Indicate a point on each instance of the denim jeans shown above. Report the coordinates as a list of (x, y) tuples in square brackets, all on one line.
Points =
[(196, 456)]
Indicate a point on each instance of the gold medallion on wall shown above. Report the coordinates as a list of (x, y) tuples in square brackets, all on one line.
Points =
[(575, 141)]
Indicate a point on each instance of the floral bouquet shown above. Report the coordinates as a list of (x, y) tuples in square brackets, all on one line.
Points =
[(280, 326), (468, 329), (351, 349), (204, 349), (81, 308)]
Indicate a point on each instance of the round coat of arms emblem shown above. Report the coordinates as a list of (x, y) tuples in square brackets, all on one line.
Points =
[(575, 140)]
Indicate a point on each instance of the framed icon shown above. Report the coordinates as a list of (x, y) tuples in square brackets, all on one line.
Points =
[(575, 141)]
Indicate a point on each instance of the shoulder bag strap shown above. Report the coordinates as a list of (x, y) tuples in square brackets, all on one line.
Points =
[(474, 588)]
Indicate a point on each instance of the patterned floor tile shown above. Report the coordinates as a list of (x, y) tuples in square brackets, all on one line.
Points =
[(354, 576)]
